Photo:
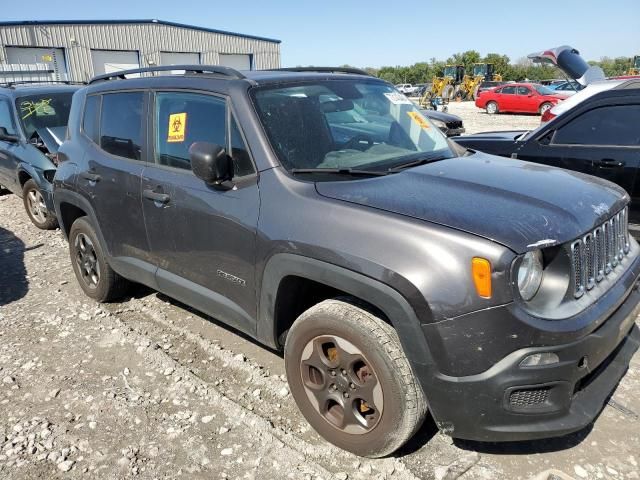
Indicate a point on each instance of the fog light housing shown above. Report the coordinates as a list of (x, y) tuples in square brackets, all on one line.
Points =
[(540, 359)]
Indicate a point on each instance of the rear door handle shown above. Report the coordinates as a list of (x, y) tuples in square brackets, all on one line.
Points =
[(92, 177), (156, 196), (609, 163)]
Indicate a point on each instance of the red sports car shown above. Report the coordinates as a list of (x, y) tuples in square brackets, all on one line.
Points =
[(519, 97)]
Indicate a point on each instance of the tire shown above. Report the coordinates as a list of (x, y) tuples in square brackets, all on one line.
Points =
[(447, 92), (96, 278), (492, 108), (376, 368), (544, 107), (36, 209)]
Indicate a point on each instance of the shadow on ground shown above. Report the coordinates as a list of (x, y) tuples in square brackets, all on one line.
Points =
[(13, 274)]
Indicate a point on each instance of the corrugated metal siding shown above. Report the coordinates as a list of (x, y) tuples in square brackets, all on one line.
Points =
[(148, 39)]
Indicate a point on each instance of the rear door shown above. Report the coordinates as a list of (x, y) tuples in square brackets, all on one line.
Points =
[(115, 160), (202, 237), (602, 139), (507, 99)]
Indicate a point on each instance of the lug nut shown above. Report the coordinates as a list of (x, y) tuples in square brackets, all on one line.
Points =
[(332, 373), (352, 386), (344, 372), (346, 394), (333, 387)]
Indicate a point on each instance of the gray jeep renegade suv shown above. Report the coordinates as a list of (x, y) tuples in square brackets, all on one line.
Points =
[(322, 214)]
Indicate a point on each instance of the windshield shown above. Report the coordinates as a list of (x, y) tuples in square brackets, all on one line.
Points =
[(542, 90), (346, 124), (47, 110)]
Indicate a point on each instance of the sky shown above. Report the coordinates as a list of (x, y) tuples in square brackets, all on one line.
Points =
[(374, 33)]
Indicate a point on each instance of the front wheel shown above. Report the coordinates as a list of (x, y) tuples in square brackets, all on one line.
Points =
[(36, 207), (544, 107), (492, 108), (351, 379)]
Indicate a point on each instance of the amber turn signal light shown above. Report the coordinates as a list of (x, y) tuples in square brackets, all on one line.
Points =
[(481, 269)]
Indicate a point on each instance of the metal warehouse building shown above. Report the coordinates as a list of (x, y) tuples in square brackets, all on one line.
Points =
[(78, 50)]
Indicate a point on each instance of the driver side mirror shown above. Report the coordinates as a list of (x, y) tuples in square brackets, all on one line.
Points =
[(211, 163), (5, 136)]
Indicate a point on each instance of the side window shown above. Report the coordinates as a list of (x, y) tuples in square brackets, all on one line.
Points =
[(90, 117), (239, 152), (613, 125), (185, 118), (121, 124), (523, 91), (509, 90), (6, 117)]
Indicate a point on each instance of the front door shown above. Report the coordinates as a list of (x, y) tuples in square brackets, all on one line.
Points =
[(202, 238), (526, 99), (8, 150), (115, 159)]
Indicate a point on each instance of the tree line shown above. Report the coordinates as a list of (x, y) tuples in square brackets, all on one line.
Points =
[(522, 69)]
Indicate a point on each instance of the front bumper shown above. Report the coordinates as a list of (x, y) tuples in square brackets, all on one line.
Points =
[(508, 402)]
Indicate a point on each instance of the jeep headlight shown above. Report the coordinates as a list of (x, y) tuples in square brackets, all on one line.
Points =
[(530, 274)]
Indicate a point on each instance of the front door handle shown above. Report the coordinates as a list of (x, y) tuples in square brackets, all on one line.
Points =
[(92, 177), (162, 198), (609, 163)]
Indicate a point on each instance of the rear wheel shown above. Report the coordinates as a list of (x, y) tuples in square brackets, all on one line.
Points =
[(96, 278), (544, 107), (351, 379), (36, 207), (492, 108)]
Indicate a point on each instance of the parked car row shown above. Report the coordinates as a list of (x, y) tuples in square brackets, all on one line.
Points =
[(323, 214)]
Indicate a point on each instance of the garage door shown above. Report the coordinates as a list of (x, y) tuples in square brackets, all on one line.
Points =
[(239, 62), (179, 58), (52, 57), (109, 61)]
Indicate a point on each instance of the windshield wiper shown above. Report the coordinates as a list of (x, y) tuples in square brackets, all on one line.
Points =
[(416, 163), (342, 171)]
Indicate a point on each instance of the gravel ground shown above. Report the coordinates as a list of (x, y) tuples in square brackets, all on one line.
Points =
[(152, 389), (477, 120)]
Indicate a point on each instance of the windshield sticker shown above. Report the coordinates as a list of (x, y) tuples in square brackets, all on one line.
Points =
[(177, 127), (397, 98), (40, 108), (419, 119)]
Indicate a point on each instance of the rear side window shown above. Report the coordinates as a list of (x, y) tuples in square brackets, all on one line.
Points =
[(6, 117), (90, 117), (121, 124), (612, 125), (185, 118), (508, 90)]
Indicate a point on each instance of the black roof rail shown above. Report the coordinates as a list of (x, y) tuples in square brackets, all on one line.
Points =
[(14, 83), (188, 69), (352, 70)]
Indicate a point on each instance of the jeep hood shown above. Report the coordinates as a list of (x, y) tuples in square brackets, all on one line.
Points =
[(519, 204)]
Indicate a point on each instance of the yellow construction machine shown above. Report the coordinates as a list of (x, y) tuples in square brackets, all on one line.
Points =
[(467, 89), (635, 66), (444, 86)]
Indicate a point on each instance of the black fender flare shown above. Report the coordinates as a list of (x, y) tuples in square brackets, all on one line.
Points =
[(388, 300), (77, 200)]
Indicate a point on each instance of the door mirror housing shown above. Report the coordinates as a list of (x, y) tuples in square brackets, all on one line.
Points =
[(6, 137), (211, 163)]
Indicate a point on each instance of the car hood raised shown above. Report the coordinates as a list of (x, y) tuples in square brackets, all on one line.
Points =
[(519, 204)]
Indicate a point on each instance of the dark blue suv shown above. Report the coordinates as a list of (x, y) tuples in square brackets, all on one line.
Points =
[(33, 124)]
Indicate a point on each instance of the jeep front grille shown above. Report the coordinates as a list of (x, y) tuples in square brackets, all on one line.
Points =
[(598, 253)]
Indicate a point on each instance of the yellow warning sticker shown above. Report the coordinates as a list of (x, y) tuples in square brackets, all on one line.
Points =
[(419, 119), (177, 127), (47, 58)]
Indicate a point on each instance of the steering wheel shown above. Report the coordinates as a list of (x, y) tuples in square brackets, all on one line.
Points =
[(355, 143)]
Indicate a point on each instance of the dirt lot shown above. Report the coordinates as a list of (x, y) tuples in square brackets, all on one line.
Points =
[(477, 120), (151, 389)]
